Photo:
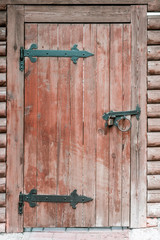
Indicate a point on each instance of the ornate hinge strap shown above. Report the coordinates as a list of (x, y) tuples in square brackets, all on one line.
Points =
[(32, 53)]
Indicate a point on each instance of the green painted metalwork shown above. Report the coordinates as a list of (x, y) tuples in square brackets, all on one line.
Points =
[(116, 117), (74, 54), (32, 198)]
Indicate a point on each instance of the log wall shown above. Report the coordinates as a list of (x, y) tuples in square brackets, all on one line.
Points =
[(153, 107), (3, 127)]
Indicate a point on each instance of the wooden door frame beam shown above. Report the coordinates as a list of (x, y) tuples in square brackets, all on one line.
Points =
[(75, 2)]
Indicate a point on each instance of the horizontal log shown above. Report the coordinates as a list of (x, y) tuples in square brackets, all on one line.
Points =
[(2, 79), (3, 18), (2, 64), (153, 53), (153, 67), (153, 153), (153, 182), (2, 139), (2, 154), (2, 94), (2, 109), (154, 82), (153, 196), (153, 110), (2, 227), (153, 37), (154, 6), (2, 185), (2, 199), (3, 7), (3, 125), (153, 209), (153, 23), (152, 222), (2, 169), (2, 214), (2, 33), (2, 48), (153, 124), (153, 96), (153, 139), (153, 167)]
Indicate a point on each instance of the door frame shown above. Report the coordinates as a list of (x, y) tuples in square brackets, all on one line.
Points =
[(18, 15)]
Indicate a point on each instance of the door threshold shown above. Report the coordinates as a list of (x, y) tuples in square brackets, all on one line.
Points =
[(76, 229)]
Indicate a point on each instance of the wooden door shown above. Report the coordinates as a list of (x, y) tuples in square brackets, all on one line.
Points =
[(66, 146)]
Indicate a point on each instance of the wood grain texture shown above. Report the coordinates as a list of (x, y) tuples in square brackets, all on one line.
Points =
[(2, 214), (3, 49), (153, 23), (2, 79), (30, 118), (80, 14), (3, 18), (154, 82), (153, 153), (2, 185), (126, 137), (139, 140), (153, 110), (153, 167), (153, 196), (2, 64), (15, 113), (76, 139), (41, 2), (89, 159), (2, 199), (153, 37), (102, 164), (2, 169), (153, 67), (153, 96), (154, 139), (116, 88), (153, 181), (153, 210), (153, 53), (2, 33), (2, 227), (153, 125), (63, 125)]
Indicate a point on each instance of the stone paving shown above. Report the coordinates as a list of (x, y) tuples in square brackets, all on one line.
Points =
[(136, 234)]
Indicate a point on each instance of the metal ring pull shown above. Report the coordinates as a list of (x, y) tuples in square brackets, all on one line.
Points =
[(121, 129)]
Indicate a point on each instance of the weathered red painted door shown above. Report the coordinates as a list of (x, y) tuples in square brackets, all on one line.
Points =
[(66, 146)]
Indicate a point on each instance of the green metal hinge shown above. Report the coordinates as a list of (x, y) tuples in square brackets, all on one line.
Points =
[(74, 54), (32, 198)]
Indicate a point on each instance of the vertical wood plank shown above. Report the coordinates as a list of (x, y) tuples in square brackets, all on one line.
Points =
[(115, 173), (76, 138), (63, 127), (139, 128), (47, 125), (126, 105), (15, 106), (89, 160), (102, 161), (30, 126)]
